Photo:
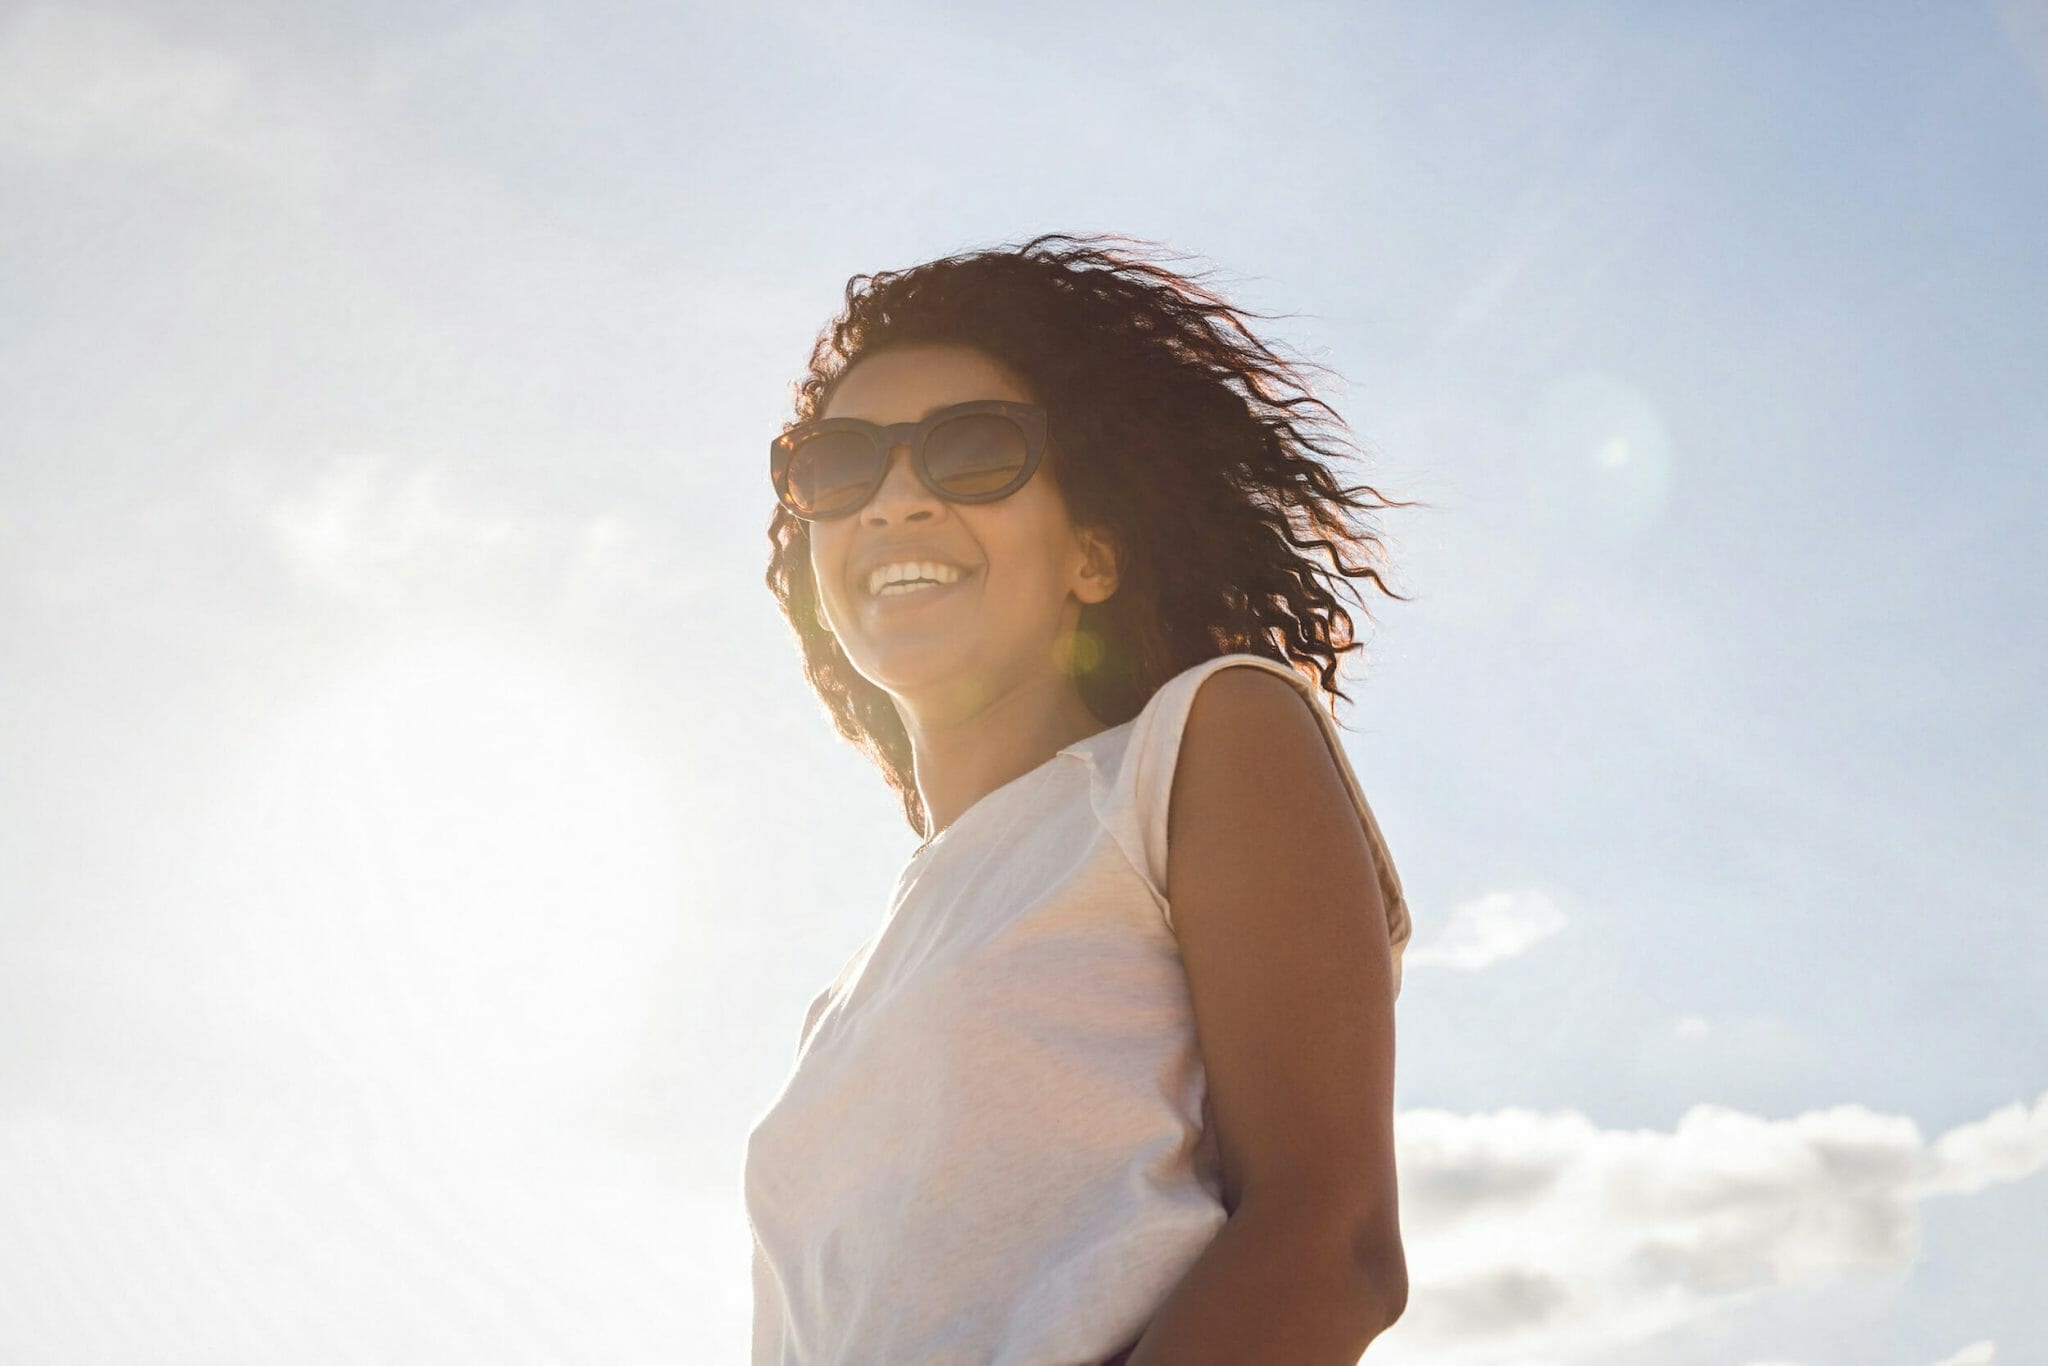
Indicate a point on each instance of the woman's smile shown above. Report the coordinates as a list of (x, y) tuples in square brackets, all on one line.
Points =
[(894, 599)]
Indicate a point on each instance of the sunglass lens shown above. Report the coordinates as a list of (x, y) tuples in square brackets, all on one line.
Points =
[(831, 472), (975, 453)]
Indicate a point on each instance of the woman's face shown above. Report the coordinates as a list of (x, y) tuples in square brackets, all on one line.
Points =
[(1028, 569)]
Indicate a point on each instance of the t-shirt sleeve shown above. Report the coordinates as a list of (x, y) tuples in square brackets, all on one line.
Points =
[(811, 1018), (1134, 808)]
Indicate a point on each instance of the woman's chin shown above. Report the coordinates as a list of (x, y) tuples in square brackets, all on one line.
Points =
[(917, 664)]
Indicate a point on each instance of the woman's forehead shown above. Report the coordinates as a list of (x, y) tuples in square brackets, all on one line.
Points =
[(905, 383)]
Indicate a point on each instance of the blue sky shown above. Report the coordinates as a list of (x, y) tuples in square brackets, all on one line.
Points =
[(420, 844)]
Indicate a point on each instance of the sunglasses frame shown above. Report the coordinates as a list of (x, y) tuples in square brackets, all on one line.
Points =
[(1029, 417)]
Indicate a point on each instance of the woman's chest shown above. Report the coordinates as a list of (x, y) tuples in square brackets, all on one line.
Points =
[(991, 1004)]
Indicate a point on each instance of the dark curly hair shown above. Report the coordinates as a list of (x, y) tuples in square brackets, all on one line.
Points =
[(1170, 426)]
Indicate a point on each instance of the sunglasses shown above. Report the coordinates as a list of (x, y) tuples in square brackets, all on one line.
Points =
[(973, 452)]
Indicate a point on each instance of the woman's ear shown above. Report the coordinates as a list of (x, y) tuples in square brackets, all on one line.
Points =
[(1100, 560)]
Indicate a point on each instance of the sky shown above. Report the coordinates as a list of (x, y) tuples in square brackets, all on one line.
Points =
[(418, 844)]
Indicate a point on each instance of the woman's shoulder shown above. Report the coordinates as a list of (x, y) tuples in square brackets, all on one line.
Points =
[(1151, 738), (1191, 678), (1132, 765)]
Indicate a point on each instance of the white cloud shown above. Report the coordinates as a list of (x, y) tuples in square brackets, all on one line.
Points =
[(380, 531), (1976, 1354), (367, 531), (1543, 1235), (78, 83), (1499, 925), (2006, 1145), (72, 79)]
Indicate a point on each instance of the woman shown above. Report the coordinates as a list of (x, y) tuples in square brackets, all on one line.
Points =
[(1114, 1077)]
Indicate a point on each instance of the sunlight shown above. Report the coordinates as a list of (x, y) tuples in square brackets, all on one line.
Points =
[(466, 885)]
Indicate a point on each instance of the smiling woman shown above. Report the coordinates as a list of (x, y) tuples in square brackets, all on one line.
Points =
[(1032, 501)]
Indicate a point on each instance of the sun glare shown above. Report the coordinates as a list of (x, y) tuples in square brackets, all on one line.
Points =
[(469, 883)]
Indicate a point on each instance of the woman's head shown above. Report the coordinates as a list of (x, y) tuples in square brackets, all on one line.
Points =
[(1027, 572), (1168, 522)]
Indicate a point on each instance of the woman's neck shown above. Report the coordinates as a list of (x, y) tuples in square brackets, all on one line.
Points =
[(961, 761)]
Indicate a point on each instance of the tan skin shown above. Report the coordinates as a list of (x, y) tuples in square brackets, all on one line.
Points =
[(978, 678), (1282, 928), (1276, 905)]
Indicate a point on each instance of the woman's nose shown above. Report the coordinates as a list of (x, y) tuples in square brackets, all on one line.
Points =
[(900, 485)]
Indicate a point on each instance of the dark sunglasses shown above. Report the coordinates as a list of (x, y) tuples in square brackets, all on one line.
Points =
[(973, 452)]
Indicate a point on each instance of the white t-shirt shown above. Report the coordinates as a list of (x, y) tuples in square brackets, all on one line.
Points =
[(995, 1145)]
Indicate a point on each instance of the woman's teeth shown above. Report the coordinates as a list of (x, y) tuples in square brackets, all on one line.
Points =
[(904, 571)]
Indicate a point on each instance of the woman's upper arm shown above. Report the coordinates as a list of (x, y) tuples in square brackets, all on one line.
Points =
[(1284, 937)]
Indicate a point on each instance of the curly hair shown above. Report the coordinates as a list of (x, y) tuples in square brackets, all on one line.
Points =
[(1170, 426)]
